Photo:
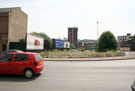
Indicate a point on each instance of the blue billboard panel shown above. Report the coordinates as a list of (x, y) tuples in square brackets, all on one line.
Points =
[(92, 49), (59, 44)]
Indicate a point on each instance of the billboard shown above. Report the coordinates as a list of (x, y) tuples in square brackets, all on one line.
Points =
[(59, 44), (66, 44), (34, 43)]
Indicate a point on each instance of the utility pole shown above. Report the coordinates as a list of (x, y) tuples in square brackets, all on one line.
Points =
[(97, 30)]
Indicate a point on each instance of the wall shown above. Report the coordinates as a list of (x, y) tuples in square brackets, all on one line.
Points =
[(17, 25), (18, 46), (3, 30), (125, 49)]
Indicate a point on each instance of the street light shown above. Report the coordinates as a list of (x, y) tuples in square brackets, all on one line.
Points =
[(97, 30)]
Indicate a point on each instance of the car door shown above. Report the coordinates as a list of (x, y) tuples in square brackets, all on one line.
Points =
[(20, 62), (5, 64)]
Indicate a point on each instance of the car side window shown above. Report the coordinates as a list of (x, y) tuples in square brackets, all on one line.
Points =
[(7, 58), (21, 57)]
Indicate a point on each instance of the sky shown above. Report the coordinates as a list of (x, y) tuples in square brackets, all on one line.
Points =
[(53, 17)]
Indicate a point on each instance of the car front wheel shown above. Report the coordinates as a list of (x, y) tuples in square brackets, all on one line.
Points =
[(28, 73)]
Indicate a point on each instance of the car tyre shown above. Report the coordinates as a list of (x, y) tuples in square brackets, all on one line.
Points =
[(28, 73), (132, 88)]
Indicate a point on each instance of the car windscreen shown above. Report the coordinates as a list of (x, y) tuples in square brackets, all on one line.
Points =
[(7, 58), (3, 53)]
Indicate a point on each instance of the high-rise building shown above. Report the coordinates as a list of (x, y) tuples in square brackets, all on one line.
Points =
[(73, 35)]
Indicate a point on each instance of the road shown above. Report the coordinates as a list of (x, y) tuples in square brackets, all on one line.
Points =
[(75, 76)]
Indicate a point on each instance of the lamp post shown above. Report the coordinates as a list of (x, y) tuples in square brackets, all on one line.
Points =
[(97, 30)]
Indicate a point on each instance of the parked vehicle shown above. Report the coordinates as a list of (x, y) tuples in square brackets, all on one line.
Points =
[(21, 63), (10, 51)]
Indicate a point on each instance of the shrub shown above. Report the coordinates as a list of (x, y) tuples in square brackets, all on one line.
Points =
[(82, 49)]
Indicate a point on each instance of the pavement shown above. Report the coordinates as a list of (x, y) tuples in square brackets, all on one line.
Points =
[(129, 55)]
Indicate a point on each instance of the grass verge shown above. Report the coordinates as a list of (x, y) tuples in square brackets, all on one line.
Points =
[(80, 54)]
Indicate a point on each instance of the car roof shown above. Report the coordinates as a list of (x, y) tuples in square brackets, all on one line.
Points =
[(14, 50), (22, 53)]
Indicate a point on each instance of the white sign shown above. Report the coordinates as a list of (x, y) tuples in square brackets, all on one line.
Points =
[(34, 43), (66, 44)]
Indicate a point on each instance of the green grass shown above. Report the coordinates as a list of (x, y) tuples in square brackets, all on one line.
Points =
[(80, 54)]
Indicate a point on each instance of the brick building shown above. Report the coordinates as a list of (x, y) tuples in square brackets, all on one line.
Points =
[(13, 26)]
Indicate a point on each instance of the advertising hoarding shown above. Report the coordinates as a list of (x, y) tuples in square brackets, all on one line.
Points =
[(34, 43), (66, 44), (59, 44)]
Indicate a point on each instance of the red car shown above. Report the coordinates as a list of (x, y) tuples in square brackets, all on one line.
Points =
[(21, 63)]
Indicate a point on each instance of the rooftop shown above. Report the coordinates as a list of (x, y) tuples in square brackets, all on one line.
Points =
[(6, 10)]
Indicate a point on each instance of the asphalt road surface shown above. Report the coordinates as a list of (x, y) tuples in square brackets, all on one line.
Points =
[(75, 76)]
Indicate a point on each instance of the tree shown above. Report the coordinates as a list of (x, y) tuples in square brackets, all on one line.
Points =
[(106, 42), (72, 46), (22, 40), (47, 40)]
